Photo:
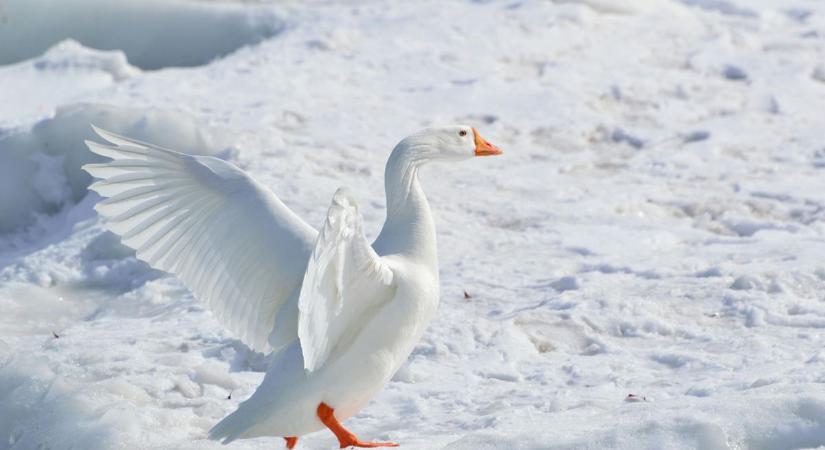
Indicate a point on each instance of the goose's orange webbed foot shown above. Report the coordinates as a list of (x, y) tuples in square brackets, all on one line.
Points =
[(291, 442), (345, 437)]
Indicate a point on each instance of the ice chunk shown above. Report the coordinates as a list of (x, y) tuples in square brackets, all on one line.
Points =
[(153, 34)]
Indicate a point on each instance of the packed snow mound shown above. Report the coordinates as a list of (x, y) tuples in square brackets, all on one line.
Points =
[(40, 166), (31, 392), (153, 34), (796, 421), (71, 56), (66, 72)]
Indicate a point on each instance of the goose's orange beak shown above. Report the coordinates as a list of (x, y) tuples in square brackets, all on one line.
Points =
[(484, 148)]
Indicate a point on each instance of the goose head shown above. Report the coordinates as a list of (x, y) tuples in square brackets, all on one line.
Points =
[(449, 143)]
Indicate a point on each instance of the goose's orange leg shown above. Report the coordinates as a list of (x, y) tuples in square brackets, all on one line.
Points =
[(345, 437), (291, 441)]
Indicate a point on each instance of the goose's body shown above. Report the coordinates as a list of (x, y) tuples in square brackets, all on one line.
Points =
[(342, 315), (286, 403)]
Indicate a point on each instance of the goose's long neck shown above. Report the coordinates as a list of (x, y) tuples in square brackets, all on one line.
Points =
[(409, 229)]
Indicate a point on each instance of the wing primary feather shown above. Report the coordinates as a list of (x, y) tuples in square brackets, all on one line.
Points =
[(139, 220), (198, 218), (160, 239), (129, 143), (191, 253), (116, 153), (135, 195), (166, 256), (150, 227)]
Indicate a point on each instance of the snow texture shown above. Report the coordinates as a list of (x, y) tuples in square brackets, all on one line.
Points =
[(642, 269)]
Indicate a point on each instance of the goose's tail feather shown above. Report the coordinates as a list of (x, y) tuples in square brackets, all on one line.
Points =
[(230, 428)]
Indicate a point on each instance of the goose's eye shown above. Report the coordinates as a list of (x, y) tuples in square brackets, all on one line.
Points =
[(462, 133)]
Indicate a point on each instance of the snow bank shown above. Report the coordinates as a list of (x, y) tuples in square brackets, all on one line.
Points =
[(32, 393), (153, 34), (40, 166), (66, 72), (768, 418), (92, 387), (70, 56)]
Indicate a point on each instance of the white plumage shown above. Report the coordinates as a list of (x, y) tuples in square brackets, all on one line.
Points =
[(343, 314), (344, 279), (229, 239)]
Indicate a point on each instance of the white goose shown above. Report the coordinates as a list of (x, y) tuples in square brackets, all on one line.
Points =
[(343, 314)]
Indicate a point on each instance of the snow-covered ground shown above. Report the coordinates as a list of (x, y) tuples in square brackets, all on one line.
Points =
[(645, 265)]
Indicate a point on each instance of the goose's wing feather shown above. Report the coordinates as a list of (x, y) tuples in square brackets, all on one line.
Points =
[(344, 282), (228, 238)]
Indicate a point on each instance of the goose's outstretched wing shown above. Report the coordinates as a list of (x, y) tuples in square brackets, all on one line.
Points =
[(228, 238), (345, 282)]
